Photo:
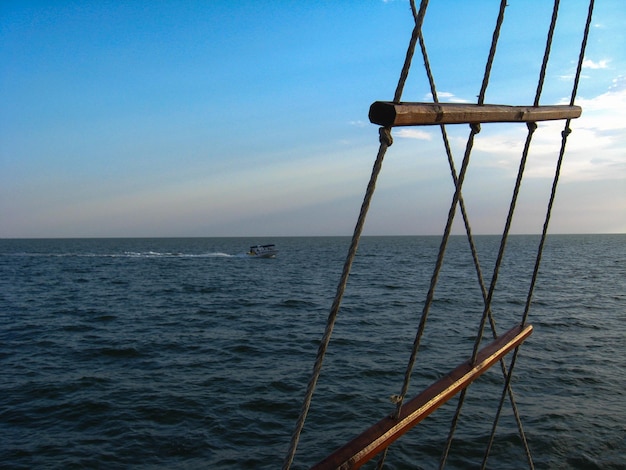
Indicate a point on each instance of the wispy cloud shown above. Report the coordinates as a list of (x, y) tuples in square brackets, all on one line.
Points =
[(417, 134), (618, 83), (591, 64), (595, 148), (606, 112), (588, 64), (445, 97)]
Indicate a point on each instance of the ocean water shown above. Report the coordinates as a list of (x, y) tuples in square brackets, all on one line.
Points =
[(186, 353)]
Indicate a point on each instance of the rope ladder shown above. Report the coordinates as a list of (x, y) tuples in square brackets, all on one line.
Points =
[(389, 114)]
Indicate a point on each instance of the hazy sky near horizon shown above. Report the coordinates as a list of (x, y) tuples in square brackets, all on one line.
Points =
[(249, 118)]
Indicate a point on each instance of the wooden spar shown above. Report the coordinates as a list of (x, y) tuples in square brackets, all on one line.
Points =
[(382, 434), (388, 114)]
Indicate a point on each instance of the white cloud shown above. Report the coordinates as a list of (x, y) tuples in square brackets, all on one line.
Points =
[(618, 83), (590, 64), (587, 64), (417, 134), (445, 97), (596, 148), (606, 112)]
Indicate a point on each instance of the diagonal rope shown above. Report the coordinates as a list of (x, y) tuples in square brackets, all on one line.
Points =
[(481, 98), (481, 281), (492, 52), (419, 20), (565, 133), (468, 229), (385, 142), (461, 401), (474, 129), (531, 129), (503, 240)]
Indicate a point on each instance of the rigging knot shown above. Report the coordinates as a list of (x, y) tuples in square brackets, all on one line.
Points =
[(395, 399), (567, 131), (475, 127), (532, 126), (384, 136)]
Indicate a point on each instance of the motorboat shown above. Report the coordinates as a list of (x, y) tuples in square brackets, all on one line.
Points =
[(263, 251)]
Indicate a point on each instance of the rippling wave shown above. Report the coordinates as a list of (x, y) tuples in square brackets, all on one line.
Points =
[(187, 353)]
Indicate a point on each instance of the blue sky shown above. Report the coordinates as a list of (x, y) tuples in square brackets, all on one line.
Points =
[(249, 118)]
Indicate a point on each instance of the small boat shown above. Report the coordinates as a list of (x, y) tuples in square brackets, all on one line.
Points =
[(263, 251)]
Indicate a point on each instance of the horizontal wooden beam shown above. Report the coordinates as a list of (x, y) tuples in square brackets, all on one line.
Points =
[(365, 446), (388, 114)]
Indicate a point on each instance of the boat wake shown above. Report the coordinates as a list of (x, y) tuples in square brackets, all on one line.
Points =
[(136, 254), (154, 254)]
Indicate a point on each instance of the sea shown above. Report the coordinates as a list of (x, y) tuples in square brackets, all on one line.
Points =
[(186, 353)]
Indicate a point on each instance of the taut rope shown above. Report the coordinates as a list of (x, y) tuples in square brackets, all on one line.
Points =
[(457, 199), (564, 134), (385, 141)]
